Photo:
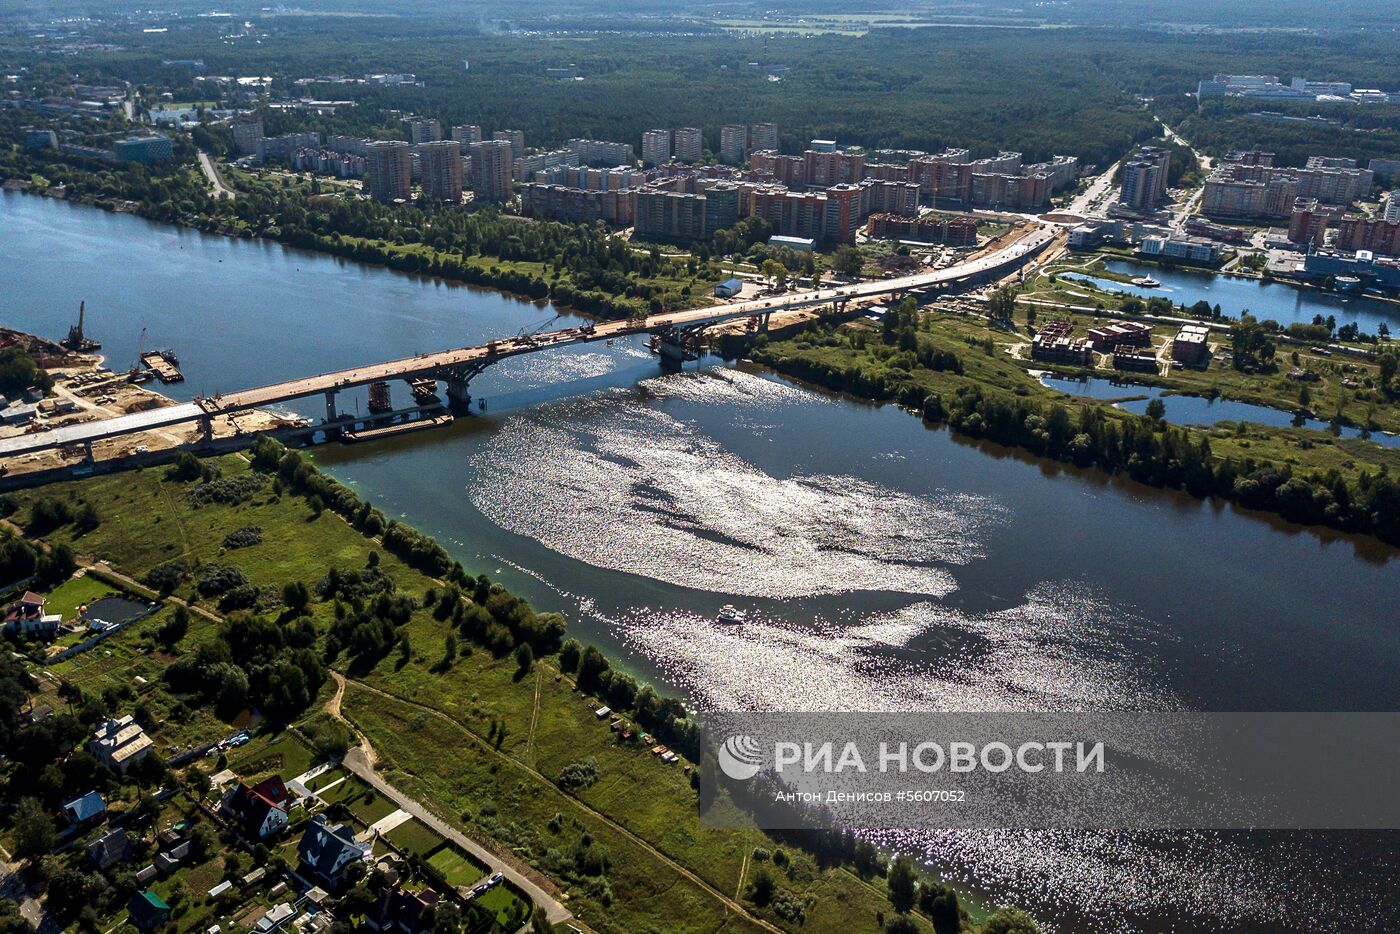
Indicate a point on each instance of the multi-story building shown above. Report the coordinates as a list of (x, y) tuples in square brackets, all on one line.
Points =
[(889, 197), (1193, 249), (842, 214), (281, 148), (1130, 333), (1308, 223), (516, 138), (492, 168), (1053, 343), (389, 170), (1010, 192), (1145, 178), (601, 152), (733, 143), (1190, 346), (721, 205), (789, 170), (1378, 235), (466, 134), (348, 144), (656, 147), (1392, 207), (441, 166), (327, 162), (954, 231), (1241, 188), (36, 139), (422, 129), (119, 743), (525, 169), (824, 168), (670, 215), (592, 179), (690, 144), (144, 149), (763, 136), (247, 135), (1063, 171), (558, 202), (1385, 169)]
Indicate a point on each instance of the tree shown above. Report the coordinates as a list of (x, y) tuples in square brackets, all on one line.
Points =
[(902, 884), (35, 830), (170, 634), (847, 260), (775, 272), (1002, 303), (763, 887), (524, 659), (297, 596), (1010, 921), (1156, 410), (901, 924)]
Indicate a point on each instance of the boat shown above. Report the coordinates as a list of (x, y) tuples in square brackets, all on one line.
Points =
[(729, 616), (1146, 282)]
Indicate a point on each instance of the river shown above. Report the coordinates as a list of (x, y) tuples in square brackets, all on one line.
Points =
[(885, 565), (1235, 295)]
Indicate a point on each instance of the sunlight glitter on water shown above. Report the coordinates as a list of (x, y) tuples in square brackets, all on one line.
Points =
[(634, 489)]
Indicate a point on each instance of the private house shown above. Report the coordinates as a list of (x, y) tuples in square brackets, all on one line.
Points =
[(399, 910), (326, 849), (120, 743), (260, 810), (109, 850), (147, 911), (87, 808), (26, 617)]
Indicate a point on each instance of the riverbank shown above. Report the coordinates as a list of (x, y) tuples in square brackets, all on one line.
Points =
[(436, 654), (959, 377)]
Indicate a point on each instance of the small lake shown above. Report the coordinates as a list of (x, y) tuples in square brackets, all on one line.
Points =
[(1283, 303), (1198, 410)]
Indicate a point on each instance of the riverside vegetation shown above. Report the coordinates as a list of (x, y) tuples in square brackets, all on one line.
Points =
[(955, 371), (290, 577)]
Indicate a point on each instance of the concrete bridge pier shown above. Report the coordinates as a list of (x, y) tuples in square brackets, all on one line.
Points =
[(88, 457), (459, 397), (206, 428), (331, 414)]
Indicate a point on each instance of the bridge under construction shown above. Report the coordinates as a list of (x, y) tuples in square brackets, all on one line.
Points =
[(675, 336)]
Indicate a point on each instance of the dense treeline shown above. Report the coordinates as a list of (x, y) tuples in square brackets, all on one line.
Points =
[(1145, 449)]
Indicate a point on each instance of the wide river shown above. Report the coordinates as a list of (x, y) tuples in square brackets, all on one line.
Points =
[(884, 565)]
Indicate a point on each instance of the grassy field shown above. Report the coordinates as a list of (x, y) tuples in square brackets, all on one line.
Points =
[(456, 867), (77, 591)]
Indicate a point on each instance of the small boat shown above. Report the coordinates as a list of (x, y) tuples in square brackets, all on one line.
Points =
[(729, 616), (1146, 282)]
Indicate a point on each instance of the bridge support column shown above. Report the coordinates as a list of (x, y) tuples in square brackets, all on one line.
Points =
[(459, 397), (206, 428), (331, 414), (763, 322), (88, 456)]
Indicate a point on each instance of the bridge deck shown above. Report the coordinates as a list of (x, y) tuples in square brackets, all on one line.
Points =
[(428, 364)]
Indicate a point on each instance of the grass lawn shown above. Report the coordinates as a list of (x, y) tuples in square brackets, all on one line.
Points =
[(456, 867), (414, 836), (75, 592)]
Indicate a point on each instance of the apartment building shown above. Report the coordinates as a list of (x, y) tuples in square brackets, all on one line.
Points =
[(422, 129), (1144, 184), (525, 168), (1378, 235), (601, 152), (388, 171), (247, 135), (889, 197), (466, 134), (492, 168), (763, 136), (656, 147), (559, 202), (516, 138), (953, 231), (733, 143), (689, 144), (441, 167)]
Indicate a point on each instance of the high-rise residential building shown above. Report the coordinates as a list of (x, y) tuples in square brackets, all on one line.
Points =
[(441, 165), (763, 136), (247, 135), (492, 168), (721, 206), (1145, 178), (1392, 207), (690, 144), (422, 129), (516, 138), (656, 147), (466, 134), (145, 149), (601, 152), (733, 142), (842, 215), (670, 215), (389, 170)]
